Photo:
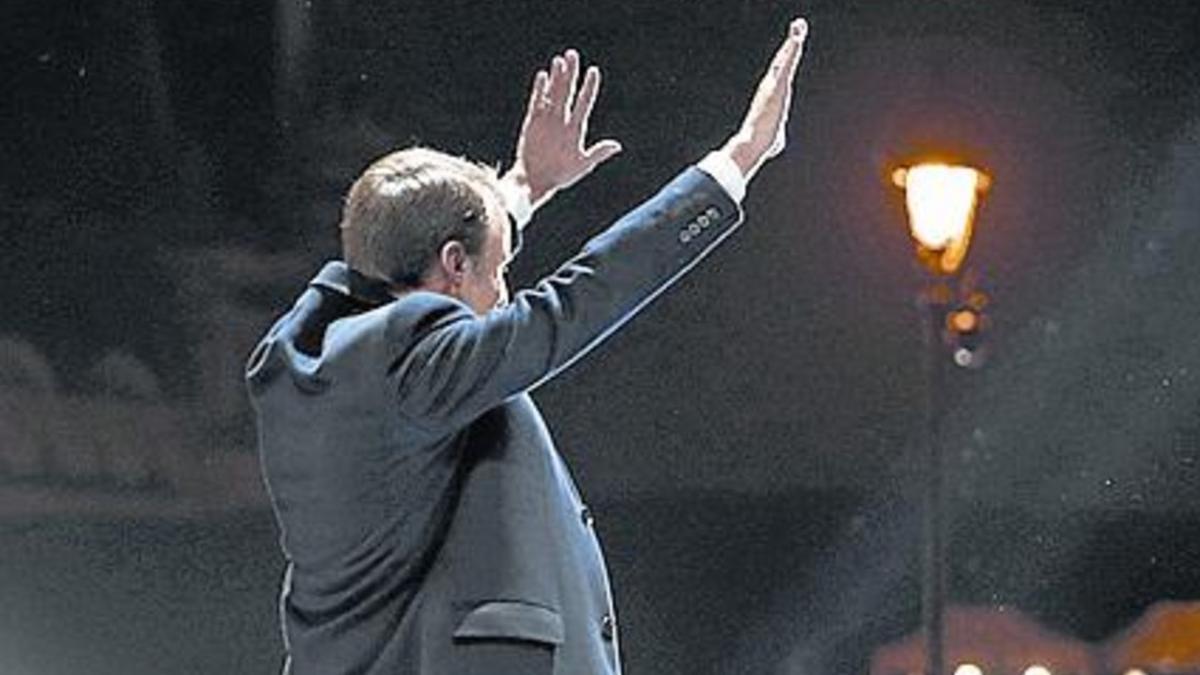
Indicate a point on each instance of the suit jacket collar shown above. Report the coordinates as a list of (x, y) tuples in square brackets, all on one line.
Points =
[(337, 276)]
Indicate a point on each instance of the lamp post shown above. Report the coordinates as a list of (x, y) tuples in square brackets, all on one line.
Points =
[(941, 201)]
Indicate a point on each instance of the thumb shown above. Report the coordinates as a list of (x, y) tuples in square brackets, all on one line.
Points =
[(602, 151)]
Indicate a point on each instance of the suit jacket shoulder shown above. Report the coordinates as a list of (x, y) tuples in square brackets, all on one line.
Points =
[(451, 365)]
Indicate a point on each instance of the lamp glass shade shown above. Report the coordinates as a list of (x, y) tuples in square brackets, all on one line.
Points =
[(941, 201)]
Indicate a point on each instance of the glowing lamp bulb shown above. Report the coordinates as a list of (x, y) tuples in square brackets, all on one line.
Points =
[(941, 201)]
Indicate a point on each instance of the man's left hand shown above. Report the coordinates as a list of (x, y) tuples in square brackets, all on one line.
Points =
[(550, 151)]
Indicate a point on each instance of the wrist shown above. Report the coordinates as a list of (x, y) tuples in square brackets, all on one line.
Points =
[(518, 197), (520, 179), (516, 178), (726, 172), (744, 155)]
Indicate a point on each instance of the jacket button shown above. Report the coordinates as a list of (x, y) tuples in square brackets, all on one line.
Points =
[(693, 229), (703, 220), (586, 516), (608, 627), (684, 237), (713, 213)]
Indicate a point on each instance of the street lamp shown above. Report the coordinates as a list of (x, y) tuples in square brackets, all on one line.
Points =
[(941, 201)]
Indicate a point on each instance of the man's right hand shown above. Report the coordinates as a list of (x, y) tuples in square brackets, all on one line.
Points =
[(763, 131)]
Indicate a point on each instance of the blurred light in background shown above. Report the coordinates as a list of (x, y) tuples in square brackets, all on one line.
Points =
[(968, 669), (941, 201)]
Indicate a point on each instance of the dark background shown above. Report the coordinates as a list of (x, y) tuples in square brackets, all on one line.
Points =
[(172, 177)]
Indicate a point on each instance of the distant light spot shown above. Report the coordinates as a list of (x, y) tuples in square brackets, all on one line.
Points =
[(82, 72), (965, 321), (45, 57), (1037, 669), (968, 669)]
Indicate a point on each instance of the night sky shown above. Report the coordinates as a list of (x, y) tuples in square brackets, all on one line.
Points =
[(173, 176)]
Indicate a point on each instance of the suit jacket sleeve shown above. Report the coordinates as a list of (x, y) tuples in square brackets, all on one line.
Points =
[(452, 365)]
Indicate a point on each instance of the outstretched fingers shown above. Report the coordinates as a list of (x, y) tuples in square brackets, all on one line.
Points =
[(774, 96), (581, 111), (552, 148), (537, 95), (788, 60), (562, 85), (572, 74), (787, 57)]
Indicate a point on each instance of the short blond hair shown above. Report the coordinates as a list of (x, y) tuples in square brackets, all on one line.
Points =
[(406, 205)]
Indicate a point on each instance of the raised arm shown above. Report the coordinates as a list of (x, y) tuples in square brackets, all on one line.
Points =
[(454, 365), (763, 133)]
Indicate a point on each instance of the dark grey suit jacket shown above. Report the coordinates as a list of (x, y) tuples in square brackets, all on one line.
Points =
[(422, 505)]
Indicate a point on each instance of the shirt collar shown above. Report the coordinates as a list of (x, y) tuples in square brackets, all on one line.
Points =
[(337, 276)]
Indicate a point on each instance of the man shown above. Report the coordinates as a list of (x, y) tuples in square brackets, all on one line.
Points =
[(428, 523)]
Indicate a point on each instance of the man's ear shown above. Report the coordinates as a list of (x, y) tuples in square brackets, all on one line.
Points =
[(453, 260)]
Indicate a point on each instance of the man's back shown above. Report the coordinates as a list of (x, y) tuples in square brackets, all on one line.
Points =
[(429, 525), (424, 509), (365, 499)]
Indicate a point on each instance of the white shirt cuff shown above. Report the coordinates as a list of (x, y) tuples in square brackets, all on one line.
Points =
[(727, 174), (516, 200)]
